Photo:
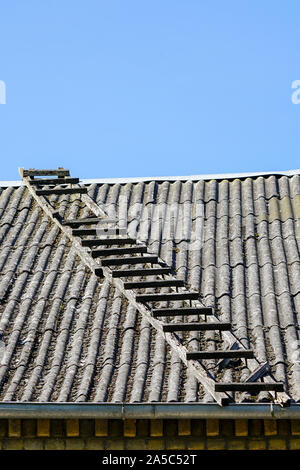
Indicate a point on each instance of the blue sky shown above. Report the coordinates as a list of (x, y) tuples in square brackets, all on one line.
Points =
[(122, 88)]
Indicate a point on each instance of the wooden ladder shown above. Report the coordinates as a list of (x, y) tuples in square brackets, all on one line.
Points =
[(105, 257)]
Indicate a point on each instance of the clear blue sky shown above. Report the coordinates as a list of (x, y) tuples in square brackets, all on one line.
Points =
[(149, 88)]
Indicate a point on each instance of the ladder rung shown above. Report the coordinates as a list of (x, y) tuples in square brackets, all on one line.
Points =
[(232, 354), (58, 191), (98, 231), (170, 327), (99, 272), (252, 387), (168, 296), (141, 272), (172, 312), (58, 172), (119, 251), (155, 283), (109, 241), (133, 260), (88, 220), (52, 181)]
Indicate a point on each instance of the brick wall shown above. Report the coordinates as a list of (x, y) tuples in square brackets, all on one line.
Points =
[(148, 434)]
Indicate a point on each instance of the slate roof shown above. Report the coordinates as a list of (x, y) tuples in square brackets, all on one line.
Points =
[(68, 336)]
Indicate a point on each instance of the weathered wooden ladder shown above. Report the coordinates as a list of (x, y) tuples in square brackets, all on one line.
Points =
[(111, 249)]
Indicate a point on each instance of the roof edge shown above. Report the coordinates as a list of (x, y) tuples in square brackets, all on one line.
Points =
[(217, 176), (175, 410), (137, 179)]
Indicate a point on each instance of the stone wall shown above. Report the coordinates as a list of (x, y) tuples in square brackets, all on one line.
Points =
[(58, 434)]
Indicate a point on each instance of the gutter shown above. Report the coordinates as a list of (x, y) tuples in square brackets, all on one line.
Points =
[(30, 410)]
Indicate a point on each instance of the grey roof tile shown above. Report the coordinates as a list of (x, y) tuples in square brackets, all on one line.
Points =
[(69, 336)]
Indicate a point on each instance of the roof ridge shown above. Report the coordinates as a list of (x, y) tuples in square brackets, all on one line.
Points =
[(212, 176), (200, 177)]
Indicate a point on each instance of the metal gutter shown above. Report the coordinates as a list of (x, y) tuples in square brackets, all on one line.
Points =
[(217, 176), (147, 411)]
